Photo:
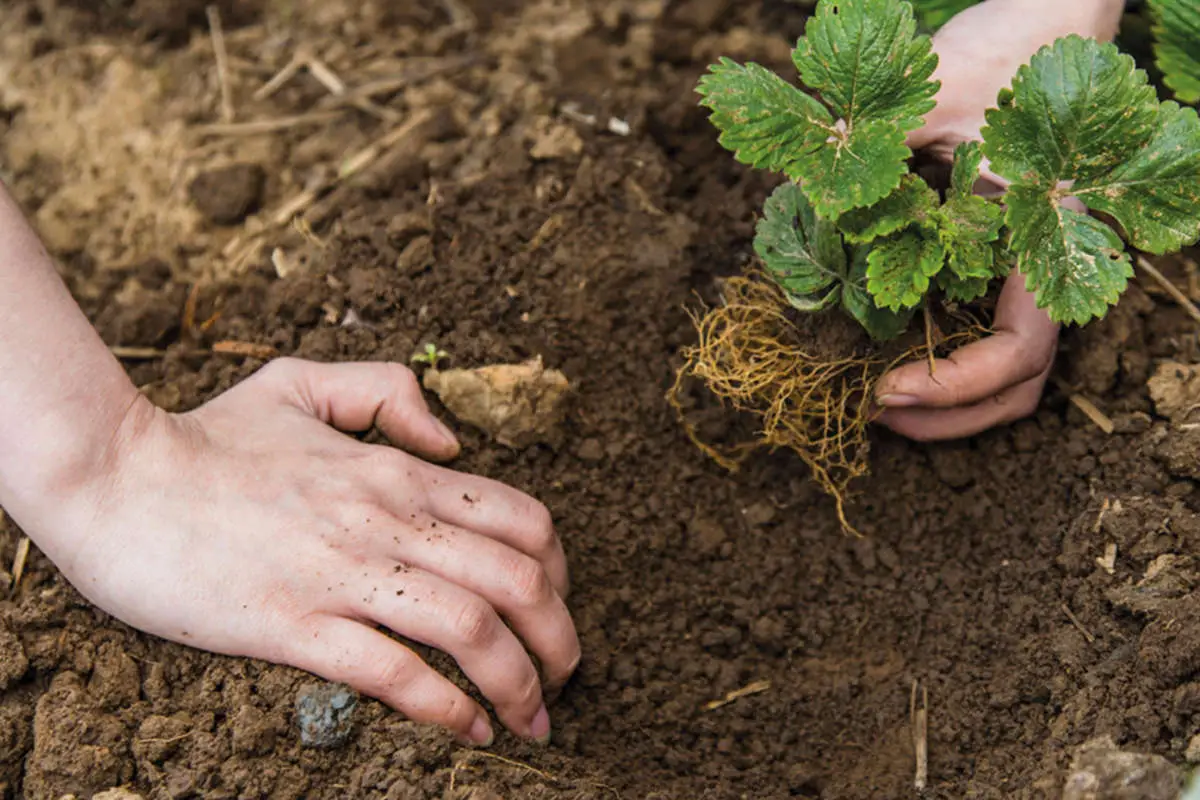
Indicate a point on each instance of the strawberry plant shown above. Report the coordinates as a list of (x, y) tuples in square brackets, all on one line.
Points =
[(855, 228)]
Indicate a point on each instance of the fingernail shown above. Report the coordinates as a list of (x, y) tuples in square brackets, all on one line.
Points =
[(481, 733), (898, 400), (539, 729)]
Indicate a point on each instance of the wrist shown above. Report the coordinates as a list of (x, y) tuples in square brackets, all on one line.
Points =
[(69, 451)]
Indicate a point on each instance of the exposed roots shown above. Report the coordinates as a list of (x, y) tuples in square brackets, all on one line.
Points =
[(755, 358)]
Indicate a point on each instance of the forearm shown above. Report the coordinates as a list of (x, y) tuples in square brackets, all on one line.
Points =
[(63, 396)]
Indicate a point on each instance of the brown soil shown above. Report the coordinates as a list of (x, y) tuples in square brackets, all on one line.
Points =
[(978, 572)]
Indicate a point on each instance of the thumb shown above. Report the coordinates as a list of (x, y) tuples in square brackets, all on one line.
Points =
[(357, 396), (1021, 347)]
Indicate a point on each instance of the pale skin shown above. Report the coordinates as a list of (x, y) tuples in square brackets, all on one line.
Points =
[(998, 379), (253, 527)]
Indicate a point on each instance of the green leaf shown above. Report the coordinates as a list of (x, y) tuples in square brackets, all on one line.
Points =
[(962, 290), (802, 252), (1177, 49), (866, 60), (1077, 265), (1155, 194), (881, 323), (856, 169), (968, 158), (1076, 111), (873, 69), (968, 227), (870, 67), (933, 14), (899, 269), (1082, 120), (911, 204), (764, 120)]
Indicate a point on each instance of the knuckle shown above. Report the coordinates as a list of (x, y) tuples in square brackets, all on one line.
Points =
[(401, 376), (475, 624), (396, 672), (541, 533), (528, 582), (281, 370), (530, 693)]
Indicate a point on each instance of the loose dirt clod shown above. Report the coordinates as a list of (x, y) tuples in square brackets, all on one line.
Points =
[(1102, 772), (325, 714), (1175, 390), (516, 404), (226, 195)]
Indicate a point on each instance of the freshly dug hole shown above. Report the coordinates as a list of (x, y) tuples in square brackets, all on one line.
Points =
[(807, 379)]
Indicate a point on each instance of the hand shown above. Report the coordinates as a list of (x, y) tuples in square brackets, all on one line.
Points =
[(998, 379), (251, 527)]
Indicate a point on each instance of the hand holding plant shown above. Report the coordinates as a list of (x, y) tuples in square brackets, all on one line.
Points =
[(998, 379)]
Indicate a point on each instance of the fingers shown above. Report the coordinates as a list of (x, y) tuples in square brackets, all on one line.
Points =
[(355, 396), (346, 651), (1021, 348), (928, 425), (436, 612), (513, 583), (490, 508)]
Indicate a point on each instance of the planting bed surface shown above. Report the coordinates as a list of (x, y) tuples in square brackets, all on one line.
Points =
[(977, 572)]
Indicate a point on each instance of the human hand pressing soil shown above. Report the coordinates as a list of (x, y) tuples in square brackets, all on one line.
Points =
[(253, 527), (998, 379)]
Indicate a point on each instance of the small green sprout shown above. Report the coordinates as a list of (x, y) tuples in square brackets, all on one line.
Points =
[(430, 356)]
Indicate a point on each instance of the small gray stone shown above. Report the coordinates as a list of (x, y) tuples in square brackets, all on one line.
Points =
[(325, 714)]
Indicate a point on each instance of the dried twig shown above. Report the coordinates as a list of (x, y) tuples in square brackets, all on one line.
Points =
[(422, 70), (247, 349), (468, 756), (18, 567), (1093, 413), (920, 734), (137, 353), (1091, 639), (281, 78), (262, 126), (737, 694), (1089, 409), (326, 76), (218, 42), (337, 88), (350, 167), (189, 309), (1176, 294)]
